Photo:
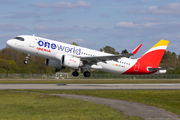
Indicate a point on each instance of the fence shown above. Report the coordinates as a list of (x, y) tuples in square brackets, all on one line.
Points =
[(118, 76), (93, 76), (27, 76)]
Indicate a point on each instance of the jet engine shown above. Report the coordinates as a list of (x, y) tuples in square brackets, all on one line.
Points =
[(70, 61), (55, 64)]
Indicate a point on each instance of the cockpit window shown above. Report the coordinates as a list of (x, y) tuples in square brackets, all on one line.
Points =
[(19, 38)]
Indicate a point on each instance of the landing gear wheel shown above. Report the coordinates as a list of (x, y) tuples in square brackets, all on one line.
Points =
[(75, 74), (27, 57), (87, 74), (25, 62)]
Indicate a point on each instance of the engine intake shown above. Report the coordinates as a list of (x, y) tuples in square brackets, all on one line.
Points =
[(70, 61)]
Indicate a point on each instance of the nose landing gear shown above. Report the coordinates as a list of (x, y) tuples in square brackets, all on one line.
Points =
[(27, 57)]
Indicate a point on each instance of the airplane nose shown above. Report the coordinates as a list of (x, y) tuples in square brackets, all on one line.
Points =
[(10, 43)]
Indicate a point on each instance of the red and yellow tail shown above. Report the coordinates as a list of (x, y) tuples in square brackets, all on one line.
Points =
[(153, 56), (150, 59)]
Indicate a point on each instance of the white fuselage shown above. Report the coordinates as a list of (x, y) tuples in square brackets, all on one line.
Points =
[(47, 48)]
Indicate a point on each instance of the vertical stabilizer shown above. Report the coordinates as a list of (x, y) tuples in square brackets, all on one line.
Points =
[(149, 62), (154, 55)]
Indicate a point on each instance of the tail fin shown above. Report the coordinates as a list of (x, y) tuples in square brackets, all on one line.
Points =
[(154, 55)]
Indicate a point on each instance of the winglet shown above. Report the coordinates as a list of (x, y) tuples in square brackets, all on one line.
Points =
[(136, 49)]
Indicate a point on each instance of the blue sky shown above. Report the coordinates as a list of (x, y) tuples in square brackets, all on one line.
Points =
[(122, 24)]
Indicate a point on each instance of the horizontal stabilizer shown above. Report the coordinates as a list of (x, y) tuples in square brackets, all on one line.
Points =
[(154, 69), (159, 70)]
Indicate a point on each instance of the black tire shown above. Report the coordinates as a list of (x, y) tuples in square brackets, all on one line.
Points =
[(25, 62), (75, 74), (87, 74)]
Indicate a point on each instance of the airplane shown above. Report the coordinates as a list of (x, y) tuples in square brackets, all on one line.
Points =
[(60, 55)]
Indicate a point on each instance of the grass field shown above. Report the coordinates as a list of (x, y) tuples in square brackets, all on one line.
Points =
[(29, 106), (166, 99), (26, 105), (87, 81)]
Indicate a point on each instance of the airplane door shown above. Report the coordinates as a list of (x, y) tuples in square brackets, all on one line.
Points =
[(32, 42), (136, 67)]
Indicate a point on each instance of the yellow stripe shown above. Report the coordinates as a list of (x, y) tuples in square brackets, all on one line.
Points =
[(161, 43)]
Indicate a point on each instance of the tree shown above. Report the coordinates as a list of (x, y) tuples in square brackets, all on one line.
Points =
[(8, 66), (170, 59), (12, 61), (73, 43), (109, 49), (124, 52)]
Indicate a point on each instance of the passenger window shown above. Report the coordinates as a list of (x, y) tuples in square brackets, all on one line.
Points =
[(19, 38)]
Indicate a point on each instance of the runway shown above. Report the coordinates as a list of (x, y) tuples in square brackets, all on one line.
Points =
[(91, 86)]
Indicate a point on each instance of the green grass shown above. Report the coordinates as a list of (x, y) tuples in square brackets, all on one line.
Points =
[(166, 99), (115, 81), (30, 106)]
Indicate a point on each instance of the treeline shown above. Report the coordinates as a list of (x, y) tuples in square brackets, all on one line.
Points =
[(171, 60), (12, 61)]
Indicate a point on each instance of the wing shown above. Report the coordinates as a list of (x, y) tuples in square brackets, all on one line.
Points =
[(92, 60)]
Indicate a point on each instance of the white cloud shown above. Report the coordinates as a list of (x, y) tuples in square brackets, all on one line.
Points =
[(63, 5), (168, 9), (25, 14), (136, 25), (53, 29), (150, 19), (10, 27), (42, 20), (7, 1), (57, 29), (149, 25), (130, 29)]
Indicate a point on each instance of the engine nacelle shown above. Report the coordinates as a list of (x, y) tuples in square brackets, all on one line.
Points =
[(71, 61), (54, 63)]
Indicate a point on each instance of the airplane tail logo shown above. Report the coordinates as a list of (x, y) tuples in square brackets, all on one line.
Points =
[(149, 62), (154, 55)]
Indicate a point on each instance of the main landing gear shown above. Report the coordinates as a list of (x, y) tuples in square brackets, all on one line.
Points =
[(27, 57), (75, 73), (86, 74)]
